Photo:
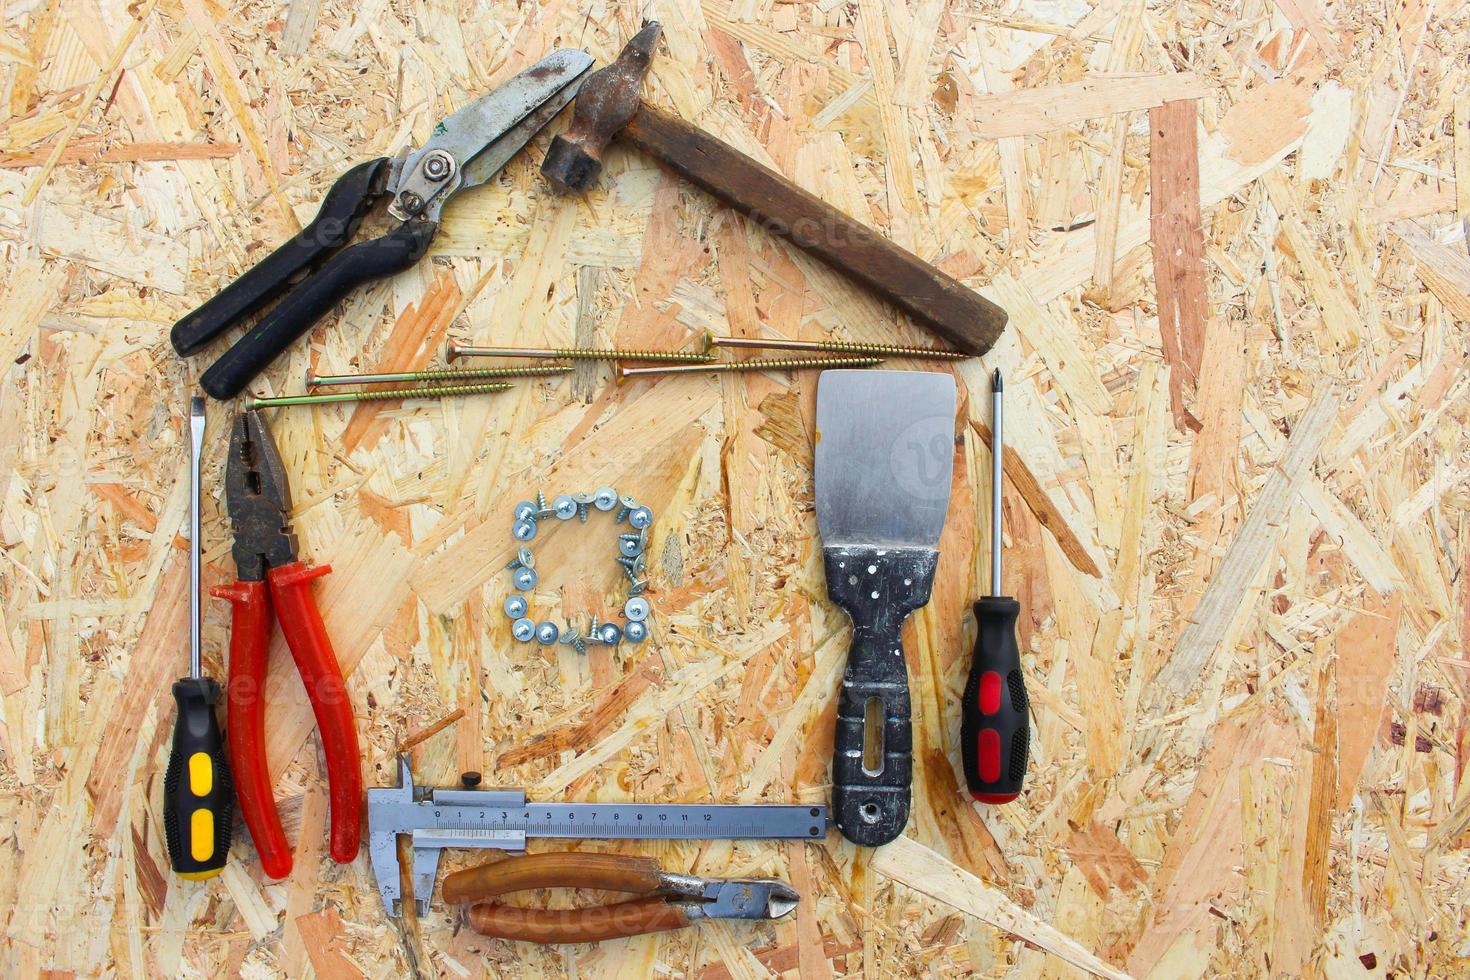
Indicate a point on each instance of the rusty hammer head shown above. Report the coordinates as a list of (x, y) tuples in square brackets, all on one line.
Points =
[(606, 102)]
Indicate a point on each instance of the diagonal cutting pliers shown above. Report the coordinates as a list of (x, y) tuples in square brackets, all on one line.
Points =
[(315, 271), (673, 900), (271, 579)]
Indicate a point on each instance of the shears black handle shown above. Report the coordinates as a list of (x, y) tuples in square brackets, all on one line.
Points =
[(336, 221), (310, 301)]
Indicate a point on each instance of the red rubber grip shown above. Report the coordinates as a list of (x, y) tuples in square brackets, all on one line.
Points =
[(306, 635), (250, 633)]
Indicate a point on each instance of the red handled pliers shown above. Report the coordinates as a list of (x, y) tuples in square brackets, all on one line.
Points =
[(258, 499)]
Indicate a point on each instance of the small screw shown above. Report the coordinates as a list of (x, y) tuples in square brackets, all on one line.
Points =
[(584, 505), (635, 632), (565, 507), (632, 566), (592, 628), (641, 517), (525, 511), (524, 579), (410, 202), (606, 498), (638, 587), (523, 558), (523, 629), (515, 606), (524, 530), (627, 506), (541, 509), (636, 609), (610, 634), (547, 633), (571, 639), (630, 545)]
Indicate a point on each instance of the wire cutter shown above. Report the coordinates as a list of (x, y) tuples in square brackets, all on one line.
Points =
[(466, 149), (674, 901), (272, 580)]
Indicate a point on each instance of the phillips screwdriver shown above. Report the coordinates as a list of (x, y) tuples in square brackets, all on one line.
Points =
[(994, 728), (198, 798)]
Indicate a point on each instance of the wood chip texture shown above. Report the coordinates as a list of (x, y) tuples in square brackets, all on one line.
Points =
[(1238, 525)]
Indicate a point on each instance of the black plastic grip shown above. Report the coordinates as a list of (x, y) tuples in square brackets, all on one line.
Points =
[(198, 794), (310, 301), (336, 221), (872, 770), (995, 728)]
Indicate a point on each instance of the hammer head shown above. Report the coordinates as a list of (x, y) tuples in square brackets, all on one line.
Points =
[(605, 103)]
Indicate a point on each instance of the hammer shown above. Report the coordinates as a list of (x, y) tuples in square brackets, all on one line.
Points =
[(608, 105)]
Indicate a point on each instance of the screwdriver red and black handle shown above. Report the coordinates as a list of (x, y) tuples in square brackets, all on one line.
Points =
[(995, 730)]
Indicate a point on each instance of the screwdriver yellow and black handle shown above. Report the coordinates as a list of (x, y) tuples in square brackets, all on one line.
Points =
[(198, 796)]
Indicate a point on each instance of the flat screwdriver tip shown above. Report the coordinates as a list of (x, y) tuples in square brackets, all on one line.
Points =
[(995, 381), (196, 407)]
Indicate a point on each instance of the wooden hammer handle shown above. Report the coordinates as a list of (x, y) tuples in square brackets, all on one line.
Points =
[(591, 925), (938, 301)]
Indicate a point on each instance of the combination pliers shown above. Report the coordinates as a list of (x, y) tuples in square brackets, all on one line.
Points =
[(673, 900), (272, 579), (465, 150)]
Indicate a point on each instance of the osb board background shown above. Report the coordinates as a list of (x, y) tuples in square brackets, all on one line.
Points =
[(1236, 515)]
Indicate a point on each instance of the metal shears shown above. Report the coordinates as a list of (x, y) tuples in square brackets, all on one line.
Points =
[(466, 149)]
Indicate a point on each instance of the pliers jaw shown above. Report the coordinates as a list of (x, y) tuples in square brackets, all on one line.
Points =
[(258, 498), (744, 898)]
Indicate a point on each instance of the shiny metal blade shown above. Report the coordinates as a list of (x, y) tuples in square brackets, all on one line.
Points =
[(884, 458), (479, 138)]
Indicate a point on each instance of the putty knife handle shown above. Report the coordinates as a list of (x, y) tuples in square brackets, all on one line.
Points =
[(878, 587)]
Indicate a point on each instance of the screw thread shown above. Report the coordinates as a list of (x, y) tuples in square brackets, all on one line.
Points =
[(463, 374), (457, 350), (760, 364), (839, 347), (620, 354), (428, 391)]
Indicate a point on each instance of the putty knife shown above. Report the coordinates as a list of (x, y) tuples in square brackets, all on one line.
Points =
[(885, 453)]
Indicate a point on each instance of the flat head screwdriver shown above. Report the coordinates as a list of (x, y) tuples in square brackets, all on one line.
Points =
[(198, 796), (994, 727)]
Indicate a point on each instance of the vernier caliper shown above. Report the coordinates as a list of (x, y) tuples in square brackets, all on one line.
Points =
[(504, 819)]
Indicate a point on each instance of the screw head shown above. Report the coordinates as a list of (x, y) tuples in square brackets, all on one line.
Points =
[(515, 606), (606, 498), (641, 517), (524, 557), (547, 633), (523, 629), (636, 609), (524, 579), (524, 530), (436, 166), (630, 548), (525, 511), (610, 634), (635, 632), (410, 202), (565, 507)]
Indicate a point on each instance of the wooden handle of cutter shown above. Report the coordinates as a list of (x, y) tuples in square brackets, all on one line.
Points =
[(592, 925), (610, 872), (938, 301)]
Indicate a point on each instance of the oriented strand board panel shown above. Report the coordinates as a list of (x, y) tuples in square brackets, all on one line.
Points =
[(1239, 529)]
